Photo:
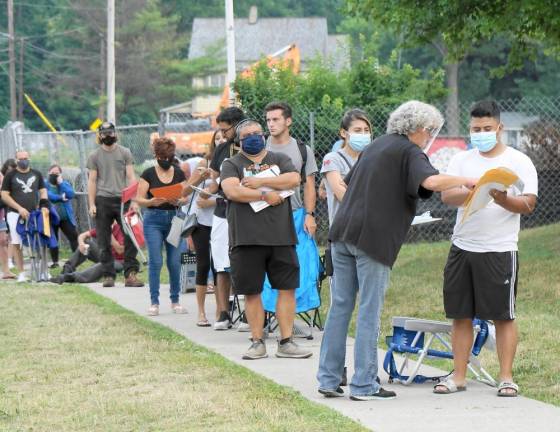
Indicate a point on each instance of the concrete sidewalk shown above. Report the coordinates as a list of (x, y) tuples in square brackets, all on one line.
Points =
[(415, 409)]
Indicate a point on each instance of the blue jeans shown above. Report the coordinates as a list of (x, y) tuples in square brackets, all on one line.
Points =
[(354, 272), (157, 224)]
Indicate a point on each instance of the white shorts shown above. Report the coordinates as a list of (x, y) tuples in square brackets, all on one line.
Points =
[(219, 242), (13, 218)]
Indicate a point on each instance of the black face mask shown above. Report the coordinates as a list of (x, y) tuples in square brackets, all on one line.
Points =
[(53, 179), (164, 164), (23, 164), (108, 140)]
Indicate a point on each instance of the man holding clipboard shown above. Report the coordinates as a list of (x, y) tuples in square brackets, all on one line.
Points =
[(262, 242), (480, 277)]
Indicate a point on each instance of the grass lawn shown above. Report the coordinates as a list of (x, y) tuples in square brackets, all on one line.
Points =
[(72, 360), (416, 290)]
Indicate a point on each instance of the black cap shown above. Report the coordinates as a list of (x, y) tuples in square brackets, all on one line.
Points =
[(106, 127)]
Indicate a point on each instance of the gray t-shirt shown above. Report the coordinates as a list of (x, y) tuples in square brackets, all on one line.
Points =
[(292, 151), (335, 161), (111, 169)]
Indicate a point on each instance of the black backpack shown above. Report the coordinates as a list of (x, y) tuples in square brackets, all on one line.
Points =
[(303, 151)]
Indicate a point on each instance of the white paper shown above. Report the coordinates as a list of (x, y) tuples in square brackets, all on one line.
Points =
[(202, 191), (273, 171), (424, 218)]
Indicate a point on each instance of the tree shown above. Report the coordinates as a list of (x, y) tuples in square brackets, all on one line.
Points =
[(325, 93), (453, 27)]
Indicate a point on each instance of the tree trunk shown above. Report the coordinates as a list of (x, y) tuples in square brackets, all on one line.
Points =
[(452, 113)]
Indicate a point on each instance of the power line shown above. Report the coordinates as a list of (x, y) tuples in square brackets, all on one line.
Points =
[(61, 56)]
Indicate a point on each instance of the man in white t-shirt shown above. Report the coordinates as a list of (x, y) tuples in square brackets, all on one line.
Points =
[(480, 277)]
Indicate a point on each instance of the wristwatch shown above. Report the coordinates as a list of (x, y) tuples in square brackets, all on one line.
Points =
[(312, 213), (263, 195)]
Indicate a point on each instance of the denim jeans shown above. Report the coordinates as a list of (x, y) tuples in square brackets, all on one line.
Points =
[(157, 224), (354, 272)]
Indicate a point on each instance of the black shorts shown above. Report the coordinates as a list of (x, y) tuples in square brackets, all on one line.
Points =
[(481, 285), (250, 265)]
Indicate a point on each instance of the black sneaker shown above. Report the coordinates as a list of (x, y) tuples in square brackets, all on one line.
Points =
[(224, 322), (332, 393), (57, 279), (54, 265), (382, 394)]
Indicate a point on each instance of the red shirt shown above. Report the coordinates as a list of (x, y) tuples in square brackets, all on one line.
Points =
[(119, 236)]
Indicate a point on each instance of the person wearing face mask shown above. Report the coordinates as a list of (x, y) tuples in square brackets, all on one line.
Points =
[(60, 194), (355, 130), (110, 171), (204, 209), (369, 228), (480, 278), (262, 243), (23, 190), (158, 217)]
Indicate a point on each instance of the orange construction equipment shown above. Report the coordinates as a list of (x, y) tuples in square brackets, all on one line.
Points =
[(198, 142)]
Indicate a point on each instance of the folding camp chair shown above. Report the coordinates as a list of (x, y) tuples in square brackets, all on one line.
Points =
[(36, 236), (132, 222), (413, 336)]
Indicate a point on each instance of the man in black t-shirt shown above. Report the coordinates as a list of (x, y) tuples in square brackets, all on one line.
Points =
[(23, 190), (367, 234), (262, 243), (227, 121)]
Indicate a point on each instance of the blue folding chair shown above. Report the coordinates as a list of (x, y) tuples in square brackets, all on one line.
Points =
[(32, 233), (414, 336)]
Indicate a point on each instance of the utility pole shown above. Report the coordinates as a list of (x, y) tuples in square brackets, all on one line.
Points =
[(111, 114), (12, 61), (230, 37), (20, 80)]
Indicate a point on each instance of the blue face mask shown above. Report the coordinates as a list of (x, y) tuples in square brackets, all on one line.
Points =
[(484, 141), (253, 144), (359, 141)]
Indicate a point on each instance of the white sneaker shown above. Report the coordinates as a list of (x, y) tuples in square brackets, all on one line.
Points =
[(22, 277), (10, 264), (222, 325), (243, 327)]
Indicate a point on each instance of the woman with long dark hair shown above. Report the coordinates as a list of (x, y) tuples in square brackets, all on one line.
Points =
[(204, 208)]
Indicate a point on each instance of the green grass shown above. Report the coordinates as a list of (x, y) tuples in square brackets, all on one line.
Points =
[(72, 360), (416, 290)]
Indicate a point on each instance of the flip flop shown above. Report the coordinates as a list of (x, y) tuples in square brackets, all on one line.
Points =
[(8, 277), (203, 323), (450, 387), (505, 385)]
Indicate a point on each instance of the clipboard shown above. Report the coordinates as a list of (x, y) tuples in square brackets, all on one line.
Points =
[(273, 171), (497, 178), (171, 192)]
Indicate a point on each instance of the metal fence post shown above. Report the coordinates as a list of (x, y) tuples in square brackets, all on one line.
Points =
[(312, 130), (84, 173)]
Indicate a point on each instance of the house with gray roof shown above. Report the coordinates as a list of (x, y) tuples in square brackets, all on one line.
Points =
[(256, 38)]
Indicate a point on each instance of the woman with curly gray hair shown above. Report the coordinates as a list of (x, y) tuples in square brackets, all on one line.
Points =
[(369, 228)]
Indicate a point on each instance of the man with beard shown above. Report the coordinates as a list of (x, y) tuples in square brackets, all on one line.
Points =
[(110, 171)]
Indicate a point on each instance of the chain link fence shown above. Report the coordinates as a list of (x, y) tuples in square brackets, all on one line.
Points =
[(70, 150), (530, 125)]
